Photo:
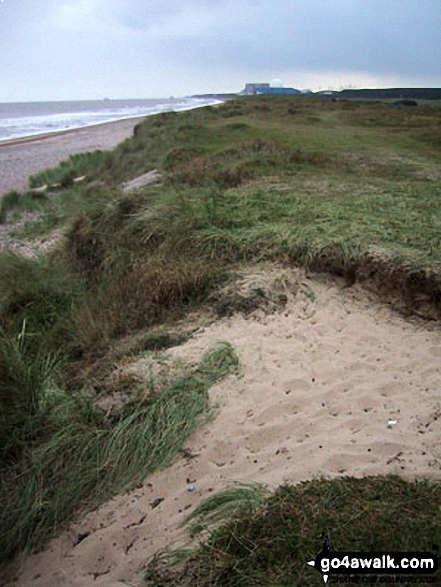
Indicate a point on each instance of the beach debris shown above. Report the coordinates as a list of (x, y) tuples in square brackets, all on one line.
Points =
[(150, 177), (143, 517), (395, 458), (79, 179), (391, 423), (40, 190), (129, 546), (188, 454), (191, 488), (81, 536), (156, 502), (97, 574)]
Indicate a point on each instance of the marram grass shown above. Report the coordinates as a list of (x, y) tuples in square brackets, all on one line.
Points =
[(85, 461)]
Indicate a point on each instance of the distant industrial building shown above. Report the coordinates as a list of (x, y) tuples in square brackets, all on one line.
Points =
[(274, 87), (251, 89), (278, 91)]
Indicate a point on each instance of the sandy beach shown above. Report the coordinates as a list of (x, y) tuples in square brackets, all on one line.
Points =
[(20, 158), (336, 383)]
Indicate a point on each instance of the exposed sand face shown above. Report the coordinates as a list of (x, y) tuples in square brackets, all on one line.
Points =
[(321, 383), (21, 158)]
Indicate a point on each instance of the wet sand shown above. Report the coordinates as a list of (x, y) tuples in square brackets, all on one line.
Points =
[(20, 158)]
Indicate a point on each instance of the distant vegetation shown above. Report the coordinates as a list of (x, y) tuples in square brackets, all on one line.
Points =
[(394, 93), (351, 189)]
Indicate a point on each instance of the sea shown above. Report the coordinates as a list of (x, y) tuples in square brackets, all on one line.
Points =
[(24, 119)]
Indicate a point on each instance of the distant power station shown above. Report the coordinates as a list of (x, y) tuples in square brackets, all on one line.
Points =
[(251, 89), (274, 87)]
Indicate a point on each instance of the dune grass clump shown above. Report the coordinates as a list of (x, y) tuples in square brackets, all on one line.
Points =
[(135, 266), (229, 167), (17, 202), (26, 380), (67, 171), (256, 538), (145, 296), (38, 294), (75, 458)]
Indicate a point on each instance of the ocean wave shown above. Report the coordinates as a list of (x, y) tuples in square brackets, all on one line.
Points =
[(32, 119)]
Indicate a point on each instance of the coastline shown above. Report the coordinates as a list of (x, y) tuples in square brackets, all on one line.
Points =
[(54, 133), (24, 156)]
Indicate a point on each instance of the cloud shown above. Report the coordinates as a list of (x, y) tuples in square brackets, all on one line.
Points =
[(74, 15), (273, 37), (89, 47)]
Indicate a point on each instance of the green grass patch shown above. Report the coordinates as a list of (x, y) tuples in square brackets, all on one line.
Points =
[(67, 171), (40, 293), (257, 539), (15, 203), (75, 459)]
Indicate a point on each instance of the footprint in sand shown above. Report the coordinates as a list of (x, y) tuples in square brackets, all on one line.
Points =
[(296, 385), (345, 461), (278, 411), (222, 453)]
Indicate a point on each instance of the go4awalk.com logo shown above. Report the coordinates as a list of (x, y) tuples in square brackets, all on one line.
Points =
[(399, 564)]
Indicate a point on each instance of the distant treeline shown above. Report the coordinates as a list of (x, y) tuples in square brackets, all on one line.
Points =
[(372, 94), (394, 93)]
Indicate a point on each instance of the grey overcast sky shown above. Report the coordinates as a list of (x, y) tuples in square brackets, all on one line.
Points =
[(88, 49)]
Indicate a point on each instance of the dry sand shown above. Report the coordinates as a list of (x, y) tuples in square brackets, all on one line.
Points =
[(20, 158), (320, 381)]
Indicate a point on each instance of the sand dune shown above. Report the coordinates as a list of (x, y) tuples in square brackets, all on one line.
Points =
[(334, 384)]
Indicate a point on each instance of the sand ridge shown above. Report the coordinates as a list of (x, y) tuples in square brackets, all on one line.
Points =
[(333, 384)]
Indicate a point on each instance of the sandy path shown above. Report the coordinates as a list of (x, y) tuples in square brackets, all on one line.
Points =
[(21, 158), (319, 384)]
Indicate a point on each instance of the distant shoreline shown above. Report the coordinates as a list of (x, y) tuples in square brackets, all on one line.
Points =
[(44, 132), (62, 132), (25, 156)]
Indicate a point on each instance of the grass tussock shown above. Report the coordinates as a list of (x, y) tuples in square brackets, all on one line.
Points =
[(74, 457), (74, 167), (234, 166), (15, 202), (145, 296), (259, 539), (37, 292), (26, 383)]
